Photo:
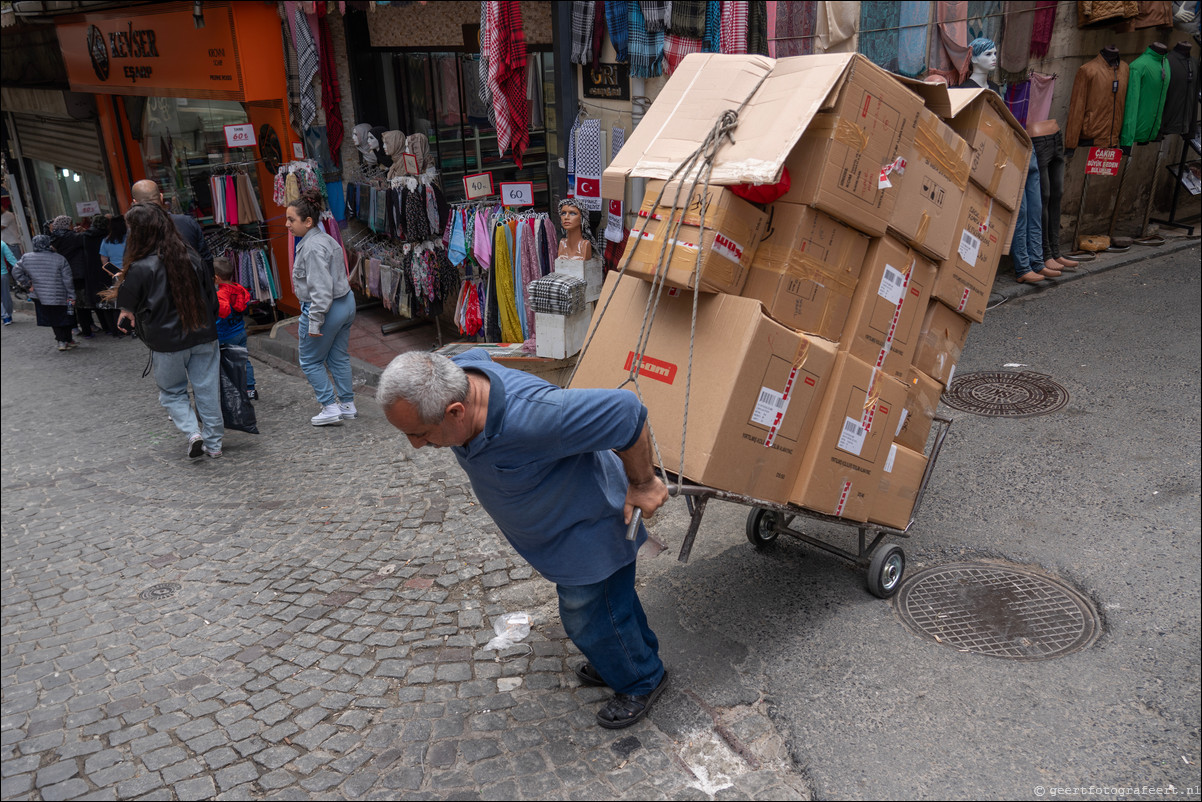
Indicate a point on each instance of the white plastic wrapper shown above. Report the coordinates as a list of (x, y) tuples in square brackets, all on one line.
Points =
[(510, 628)]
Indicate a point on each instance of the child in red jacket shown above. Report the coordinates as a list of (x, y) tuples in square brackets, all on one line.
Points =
[(232, 299)]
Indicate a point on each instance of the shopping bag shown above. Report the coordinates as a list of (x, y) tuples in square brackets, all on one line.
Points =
[(236, 408)]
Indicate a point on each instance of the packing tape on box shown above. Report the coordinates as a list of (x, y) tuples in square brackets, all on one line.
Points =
[(871, 398), (930, 144), (920, 234), (851, 135), (843, 496), (944, 347), (898, 166)]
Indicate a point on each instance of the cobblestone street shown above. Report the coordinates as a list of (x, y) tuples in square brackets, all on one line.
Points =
[(319, 600)]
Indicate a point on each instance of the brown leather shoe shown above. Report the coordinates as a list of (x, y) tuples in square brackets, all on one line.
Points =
[(1048, 272), (1030, 277), (1064, 263)]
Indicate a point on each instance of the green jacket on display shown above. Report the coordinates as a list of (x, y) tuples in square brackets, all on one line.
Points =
[(1146, 89)]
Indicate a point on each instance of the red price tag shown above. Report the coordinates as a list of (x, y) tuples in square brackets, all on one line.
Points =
[(1103, 161)]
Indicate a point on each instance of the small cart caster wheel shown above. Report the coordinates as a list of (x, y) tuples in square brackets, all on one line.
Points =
[(761, 527), (885, 571)]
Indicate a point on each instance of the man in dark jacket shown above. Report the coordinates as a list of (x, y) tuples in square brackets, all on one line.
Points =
[(147, 191), (72, 246)]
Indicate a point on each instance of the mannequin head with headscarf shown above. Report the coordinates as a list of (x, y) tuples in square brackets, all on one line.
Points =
[(394, 148), (577, 242), (419, 146), (984, 60), (359, 136), (375, 140)]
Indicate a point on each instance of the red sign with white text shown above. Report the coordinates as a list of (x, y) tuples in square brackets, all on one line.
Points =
[(1103, 161)]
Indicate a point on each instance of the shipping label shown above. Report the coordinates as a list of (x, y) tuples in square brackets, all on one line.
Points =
[(852, 437), (893, 285), (970, 246)]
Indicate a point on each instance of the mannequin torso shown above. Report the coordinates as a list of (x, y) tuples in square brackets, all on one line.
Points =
[(1043, 128)]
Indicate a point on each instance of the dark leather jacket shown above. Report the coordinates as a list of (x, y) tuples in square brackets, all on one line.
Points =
[(145, 293)]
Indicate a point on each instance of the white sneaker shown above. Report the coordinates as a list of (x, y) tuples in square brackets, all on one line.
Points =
[(348, 410), (328, 415)]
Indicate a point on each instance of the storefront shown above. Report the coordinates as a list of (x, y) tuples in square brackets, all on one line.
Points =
[(190, 108)]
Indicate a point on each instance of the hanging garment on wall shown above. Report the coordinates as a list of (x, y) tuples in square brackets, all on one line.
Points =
[(1042, 22), (507, 76), (912, 39), (1097, 14), (985, 20), (331, 96), (1042, 89), (795, 28), (646, 48), (949, 51), (1152, 14), (534, 95), (589, 164), (1018, 97), (307, 67), (713, 26), (1098, 103), (1015, 45), (617, 22), (837, 27), (676, 48), (757, 27), (1181, 98), (598, 35), (688, 18), (615, 220), (733, 34), (657, 14), (880, 22), (1146, 89), (583, 15)]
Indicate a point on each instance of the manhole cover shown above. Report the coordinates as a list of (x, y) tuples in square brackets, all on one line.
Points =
[(163, 590), (999, 611), (1006, 394)]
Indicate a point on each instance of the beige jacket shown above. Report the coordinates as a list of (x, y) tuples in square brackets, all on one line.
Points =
[(1095, 111)]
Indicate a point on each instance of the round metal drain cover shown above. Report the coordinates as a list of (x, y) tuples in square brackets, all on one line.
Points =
[(999, 611), (1006, 394), (163, 590)]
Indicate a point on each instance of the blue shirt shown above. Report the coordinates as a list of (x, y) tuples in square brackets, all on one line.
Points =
[(545, 470), (113, 252)]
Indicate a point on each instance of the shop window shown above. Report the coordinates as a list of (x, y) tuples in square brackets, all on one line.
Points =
[(437, 94), (75, 193), (183, 144)]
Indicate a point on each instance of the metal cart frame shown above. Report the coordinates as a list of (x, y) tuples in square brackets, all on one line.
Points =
[(767, 520)]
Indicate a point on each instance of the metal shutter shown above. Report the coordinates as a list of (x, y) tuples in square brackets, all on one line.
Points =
[(64, 143)]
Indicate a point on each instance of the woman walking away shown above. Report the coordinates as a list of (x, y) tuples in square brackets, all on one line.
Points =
[(72, 246), (96, 278), (327, 311), (52, 289), (112, 257), (167, 292)]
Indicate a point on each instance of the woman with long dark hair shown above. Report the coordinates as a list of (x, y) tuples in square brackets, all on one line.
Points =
[(167, 293)]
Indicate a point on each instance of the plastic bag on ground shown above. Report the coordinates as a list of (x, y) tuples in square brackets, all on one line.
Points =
[(236, 409), (510, 628)]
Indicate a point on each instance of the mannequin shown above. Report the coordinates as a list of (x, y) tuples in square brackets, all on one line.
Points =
[(375, 141), (575, 244), (419, 146), (1179, 101), (1111, 54), (1159, 47), (1048, 143), (359, 135), (394, 146), (984, 62)]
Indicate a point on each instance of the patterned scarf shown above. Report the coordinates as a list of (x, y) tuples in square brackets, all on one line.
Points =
[(307, 65), (646, 48), (617, 20), (583, 12)]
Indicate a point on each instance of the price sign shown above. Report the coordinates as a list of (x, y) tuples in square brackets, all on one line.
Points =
[(298, 150), (1103, 161), (410, 162), (477, 186), (87, 208), (518, 193), (240, 136)]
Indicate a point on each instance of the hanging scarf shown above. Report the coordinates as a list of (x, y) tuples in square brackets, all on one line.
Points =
[(583, 15), (331, 97), (615, 221), (646, 47), (307, 66), (617, 21), (656, 13), (589, 164)]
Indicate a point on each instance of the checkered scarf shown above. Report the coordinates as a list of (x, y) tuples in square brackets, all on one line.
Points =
[(656, 13), (646, 48), (307, 65), (507, 76), (617, 20), (676, 48), (713, 26), (688, 18), (733, 34), (557, 294), (583, 12), (757, 27)]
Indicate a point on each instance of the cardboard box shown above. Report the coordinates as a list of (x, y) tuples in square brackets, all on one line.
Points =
[(940, 342), (887, 308), (805, 269), (922, 401), (777, 101), (846, 161), (561, 336), (965, 279), (840, 472), (756, 384), (901, 476), (733, 228), (931, 190)]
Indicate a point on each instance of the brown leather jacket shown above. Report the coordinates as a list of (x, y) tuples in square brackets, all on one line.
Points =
[(1095, 110), (1096, 12)]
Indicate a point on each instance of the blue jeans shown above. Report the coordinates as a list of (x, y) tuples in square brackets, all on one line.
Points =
[(329, 351), (200, 364), (240, 339), (1026, 248), (606, 622)]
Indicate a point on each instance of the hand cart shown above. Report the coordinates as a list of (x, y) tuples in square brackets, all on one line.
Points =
[(884, 563)]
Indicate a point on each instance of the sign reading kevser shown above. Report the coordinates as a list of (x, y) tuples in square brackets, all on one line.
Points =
[(161, 53)]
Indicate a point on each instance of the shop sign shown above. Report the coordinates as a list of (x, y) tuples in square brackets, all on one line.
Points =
[(162, 53), (240, 136), (1103, 161), (610, 82), (87, 208), (477, 186), (518, 193)]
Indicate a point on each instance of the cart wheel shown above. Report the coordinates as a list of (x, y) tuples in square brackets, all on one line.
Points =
[(885, 571), (761, 527)]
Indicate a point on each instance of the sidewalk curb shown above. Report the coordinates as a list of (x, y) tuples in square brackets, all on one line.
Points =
[(1005, 288)]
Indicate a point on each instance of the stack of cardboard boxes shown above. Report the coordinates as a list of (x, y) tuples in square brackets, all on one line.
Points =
[(828, 321)]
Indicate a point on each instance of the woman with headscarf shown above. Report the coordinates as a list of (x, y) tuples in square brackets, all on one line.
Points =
[(72, 246), (167, 293), (52, 288)]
